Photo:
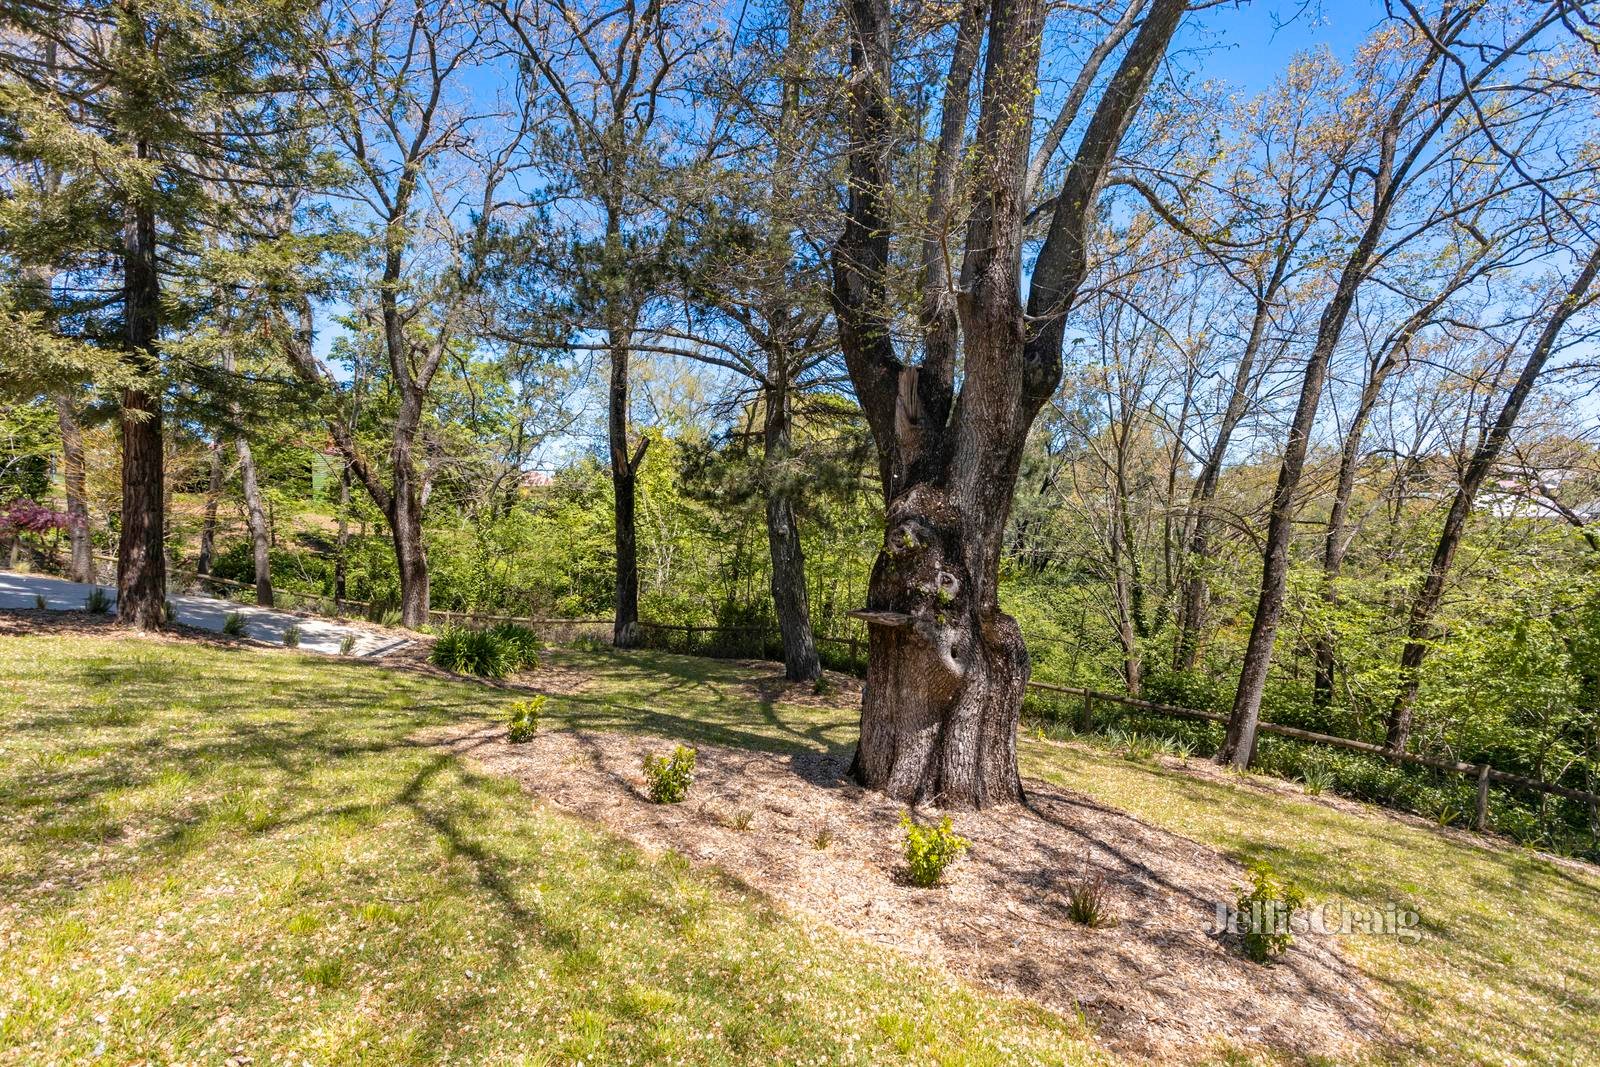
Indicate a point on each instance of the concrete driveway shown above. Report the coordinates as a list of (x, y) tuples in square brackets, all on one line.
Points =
[(205, 613)]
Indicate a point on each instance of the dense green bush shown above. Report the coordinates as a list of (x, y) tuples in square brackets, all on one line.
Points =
[(233, 624), (930, 849)]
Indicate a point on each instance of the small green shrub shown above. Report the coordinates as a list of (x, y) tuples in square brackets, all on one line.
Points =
[(740, 820), (464, 651), (521, 645), (169, 613), (822, 687), (97, 602), (1264, 912), (525, 717), (38, 602), (233, 624), (347, 644), (930, 849), (291, 636), (668, 777), (589, 643), (823, 838)]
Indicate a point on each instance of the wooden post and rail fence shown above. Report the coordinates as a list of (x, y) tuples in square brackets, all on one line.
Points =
[(1483, 774)]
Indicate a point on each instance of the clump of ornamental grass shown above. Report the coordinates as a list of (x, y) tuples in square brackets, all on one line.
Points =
[(519, 645), (291, 636), (233, 624), (465, 651), (1089, 899)]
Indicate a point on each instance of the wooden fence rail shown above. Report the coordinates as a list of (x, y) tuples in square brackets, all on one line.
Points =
[(1482, 772)]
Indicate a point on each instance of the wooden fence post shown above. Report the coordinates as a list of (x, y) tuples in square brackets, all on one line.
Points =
[(1481, 819), (1087, 723)]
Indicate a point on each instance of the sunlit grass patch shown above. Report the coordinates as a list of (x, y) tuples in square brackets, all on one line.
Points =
[(262, 860)]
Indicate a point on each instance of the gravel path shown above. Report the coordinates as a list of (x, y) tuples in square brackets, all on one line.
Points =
[(207, 613)]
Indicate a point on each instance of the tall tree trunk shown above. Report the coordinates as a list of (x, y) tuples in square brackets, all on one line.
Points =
[(789, 595), (260, 532), (410, 555), (1194, 596), (342, 545), (624, 483), (80, 566), (1485, 456), (208, 529), (141, 558)]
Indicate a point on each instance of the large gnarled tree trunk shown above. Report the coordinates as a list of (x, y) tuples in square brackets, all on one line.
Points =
[(947, 667)]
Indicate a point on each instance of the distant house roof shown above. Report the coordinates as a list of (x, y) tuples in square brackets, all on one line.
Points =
[(535, 480)]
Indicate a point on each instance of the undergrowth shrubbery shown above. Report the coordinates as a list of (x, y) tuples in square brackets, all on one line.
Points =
[(525, 718), (233, 624), (1264, 911), (930, 849), (1447, 799), (668, 778)]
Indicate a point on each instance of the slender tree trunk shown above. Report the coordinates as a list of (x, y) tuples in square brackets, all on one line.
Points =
[(1195, 592), (1238, 746), (340, 565), (1426, 604), (80, 567), (260, 533), (624, 483), (789, 595), (208, 529), (410, 555), (141, 558)]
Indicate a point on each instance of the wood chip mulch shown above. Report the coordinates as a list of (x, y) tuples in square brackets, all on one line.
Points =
[(1159, 984)]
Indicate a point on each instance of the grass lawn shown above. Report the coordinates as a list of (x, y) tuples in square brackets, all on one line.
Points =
[(210, 852)]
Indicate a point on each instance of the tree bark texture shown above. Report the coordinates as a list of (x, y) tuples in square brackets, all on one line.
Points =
[(260, 534), (789, 595), (624, 486), (947, 668), (141, 559)]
